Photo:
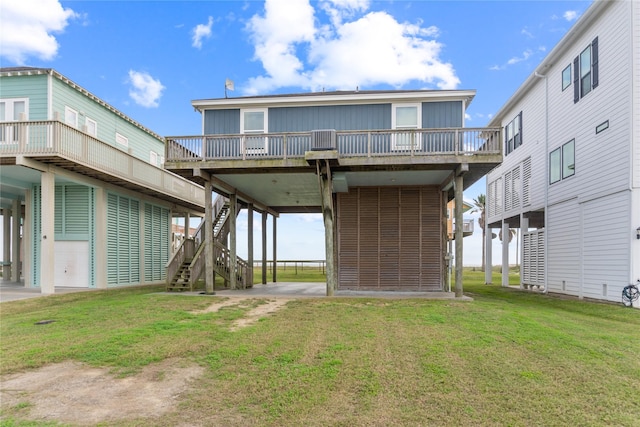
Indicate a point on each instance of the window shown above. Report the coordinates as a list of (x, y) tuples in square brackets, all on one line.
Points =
[(122, 140), (91, 127), (406, 116), (71, 117), (566, 77), (586, 71), (513, 134), (153, 158), (562, 162), (254, 122), (12, 110)]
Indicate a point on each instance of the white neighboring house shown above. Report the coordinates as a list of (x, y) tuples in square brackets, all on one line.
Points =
[(570, 179)]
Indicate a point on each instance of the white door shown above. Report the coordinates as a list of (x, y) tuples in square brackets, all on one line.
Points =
[(72, 264), (12, 110)]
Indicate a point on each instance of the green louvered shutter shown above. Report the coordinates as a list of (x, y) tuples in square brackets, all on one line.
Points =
[(156, 242), (148, 242), (37, 231), (134, 241), (112, 239), (76, 212)]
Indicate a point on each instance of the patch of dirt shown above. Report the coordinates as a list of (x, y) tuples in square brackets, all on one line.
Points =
[(71, 392)]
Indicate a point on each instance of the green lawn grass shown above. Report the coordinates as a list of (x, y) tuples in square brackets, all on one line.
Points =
[(507, 358)]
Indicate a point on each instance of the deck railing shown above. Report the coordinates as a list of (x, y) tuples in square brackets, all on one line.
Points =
[(53, 138), (372, 143)]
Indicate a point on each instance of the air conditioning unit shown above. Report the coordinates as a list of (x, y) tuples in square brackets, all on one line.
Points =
[(324, 139)]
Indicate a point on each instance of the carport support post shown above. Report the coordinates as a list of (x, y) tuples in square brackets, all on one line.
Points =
[(209, 277), (15, 240), (275, 252), (505, 253), (458, 183), (6, 244), (233, 234), (250, 243), (488, 256), (47, 230), (264, 248), (327, 215)]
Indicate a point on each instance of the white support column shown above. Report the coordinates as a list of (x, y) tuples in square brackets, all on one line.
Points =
[(233, 236), (27, 240), (458, 186), (47, 237), (16, 268), (101, 238), (524, 227), (250, 243), (505, 253), (6, 245), (488, 255), (264, 248), (275, 252), (209, 276)]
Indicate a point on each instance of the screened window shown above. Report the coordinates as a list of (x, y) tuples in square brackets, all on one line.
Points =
[(566, 77), (91, 127), (12, 110), (71, 117), (513, 134), (585, 71), (252, 123), (122, 140)]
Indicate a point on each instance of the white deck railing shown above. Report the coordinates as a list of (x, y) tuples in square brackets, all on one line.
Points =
[(56, 139), (416, 142)]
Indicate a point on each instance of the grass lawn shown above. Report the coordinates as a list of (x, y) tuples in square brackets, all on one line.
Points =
[(507, 358)]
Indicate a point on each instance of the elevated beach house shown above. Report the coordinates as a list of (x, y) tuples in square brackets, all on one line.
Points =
[(380, 166), (570, 179), (85, 200)]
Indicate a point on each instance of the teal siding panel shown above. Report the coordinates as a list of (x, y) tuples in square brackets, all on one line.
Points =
[(221, 122), (338, 117), (32, 87), (156, 242), (140, 143), (447, 114)]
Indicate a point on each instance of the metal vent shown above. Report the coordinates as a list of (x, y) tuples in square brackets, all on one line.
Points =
[(323, 140)]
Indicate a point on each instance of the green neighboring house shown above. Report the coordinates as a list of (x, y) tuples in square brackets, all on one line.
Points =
[(85, 185)]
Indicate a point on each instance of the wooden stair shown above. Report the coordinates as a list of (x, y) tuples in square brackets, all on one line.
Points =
[(181, 281)]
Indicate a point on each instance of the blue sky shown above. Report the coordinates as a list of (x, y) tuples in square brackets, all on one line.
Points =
[(150, 59)]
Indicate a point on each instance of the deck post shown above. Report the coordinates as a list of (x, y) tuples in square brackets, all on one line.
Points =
[(249, 278), (15, 240), (264, 247), (6, 245), (324, 176), (275, 245), (233, 235), (209, 277), (488, 255), (47, 230), (505, 253), (458, 233)]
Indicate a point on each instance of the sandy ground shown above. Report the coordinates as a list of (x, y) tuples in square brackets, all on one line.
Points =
[(71, 392)]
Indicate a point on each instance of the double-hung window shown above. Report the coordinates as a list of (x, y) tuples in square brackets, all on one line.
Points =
[(513, 134), (562, 162), (253, 122), (91, 126), (585, 71), (71, 117), (404, 118)]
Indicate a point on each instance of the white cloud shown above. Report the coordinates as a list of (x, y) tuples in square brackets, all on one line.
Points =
[(145, 90), (27, 28), (200, 32), (570, 15), (526, 33), (517, 59), (355, 49)]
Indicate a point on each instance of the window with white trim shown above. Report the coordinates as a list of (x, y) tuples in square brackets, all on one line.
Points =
[(71, 117), (406, 117), (122, 140), (91, 126), (253, 122), (12, 110), (566, 77), (562, 162), (153, 158)]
